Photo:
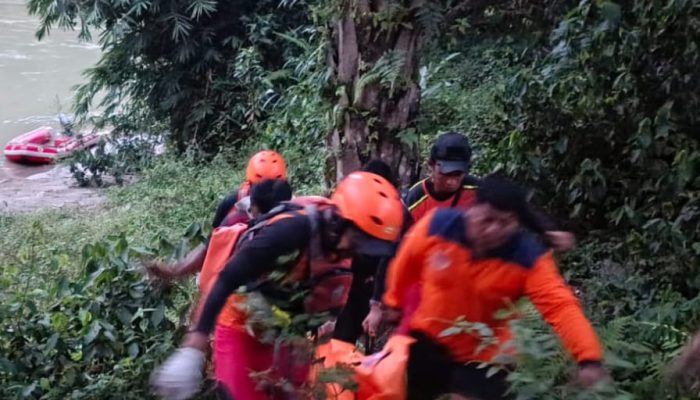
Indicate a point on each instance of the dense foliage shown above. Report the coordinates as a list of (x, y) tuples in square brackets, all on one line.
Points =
[(593, 103), (201, 68), (605, 126)]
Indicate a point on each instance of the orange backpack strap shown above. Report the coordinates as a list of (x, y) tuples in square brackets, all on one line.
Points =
[(221, 246)]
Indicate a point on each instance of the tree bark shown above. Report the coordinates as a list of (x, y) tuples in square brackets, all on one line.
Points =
[(371, 113)]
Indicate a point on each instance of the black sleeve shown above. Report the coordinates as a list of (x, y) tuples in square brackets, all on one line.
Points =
[(348, 325), (383, 265), (255, 259), (223, 209), (380, 280)]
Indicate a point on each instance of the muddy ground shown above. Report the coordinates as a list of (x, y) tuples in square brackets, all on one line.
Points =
[(34, 189)]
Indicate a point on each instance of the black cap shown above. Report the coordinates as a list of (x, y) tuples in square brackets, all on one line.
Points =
[(451, 152)]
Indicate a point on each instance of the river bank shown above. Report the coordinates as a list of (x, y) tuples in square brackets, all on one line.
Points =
[(54, 189)]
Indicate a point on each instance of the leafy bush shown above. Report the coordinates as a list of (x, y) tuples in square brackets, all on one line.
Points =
[(114, 158), (95, 334), (605, 126)]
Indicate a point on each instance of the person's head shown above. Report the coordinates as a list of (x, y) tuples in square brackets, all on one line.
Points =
[(266, 164), (380, 168), (501, 209), (267, 194), (369, 213), (450, 160)]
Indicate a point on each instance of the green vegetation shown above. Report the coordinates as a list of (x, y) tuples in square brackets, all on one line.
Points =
[(593, 103)]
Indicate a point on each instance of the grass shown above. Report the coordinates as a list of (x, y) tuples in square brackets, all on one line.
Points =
[(170, 198)]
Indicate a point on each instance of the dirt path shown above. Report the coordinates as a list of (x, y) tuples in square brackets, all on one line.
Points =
[(25, 192)]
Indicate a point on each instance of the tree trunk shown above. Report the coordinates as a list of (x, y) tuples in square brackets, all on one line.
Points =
[(375, 73)]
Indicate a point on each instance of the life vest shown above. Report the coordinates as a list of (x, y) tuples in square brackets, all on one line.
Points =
[(326, 283), (419, 200)]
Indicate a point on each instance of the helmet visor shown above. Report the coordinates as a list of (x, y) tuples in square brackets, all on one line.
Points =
[(367, 245)]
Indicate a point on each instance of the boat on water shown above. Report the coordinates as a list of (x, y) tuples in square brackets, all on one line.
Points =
[(46, 145)]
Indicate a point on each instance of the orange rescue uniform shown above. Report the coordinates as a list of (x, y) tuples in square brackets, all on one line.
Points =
[(437, 253)]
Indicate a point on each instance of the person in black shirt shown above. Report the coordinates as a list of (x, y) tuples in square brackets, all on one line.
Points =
[(343, 229)]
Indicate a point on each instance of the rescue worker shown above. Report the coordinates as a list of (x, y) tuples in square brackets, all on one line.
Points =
[(449, 184), (266, 164), (473, 262), (344, 228), (234, 349)]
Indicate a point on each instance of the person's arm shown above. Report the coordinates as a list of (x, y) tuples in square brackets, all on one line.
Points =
[(190, 265), (559, 307), (348, 326), (406, 267), (254, 260), (540, 223), (380, 280)]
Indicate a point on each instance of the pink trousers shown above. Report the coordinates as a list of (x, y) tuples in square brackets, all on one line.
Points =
[(237, 355)]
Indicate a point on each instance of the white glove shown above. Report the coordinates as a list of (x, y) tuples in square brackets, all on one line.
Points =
[(180, 377)]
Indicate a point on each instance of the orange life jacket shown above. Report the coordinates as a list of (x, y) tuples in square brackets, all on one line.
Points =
[(419, 200)]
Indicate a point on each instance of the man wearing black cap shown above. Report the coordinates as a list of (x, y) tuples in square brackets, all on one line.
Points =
[(449, 183)]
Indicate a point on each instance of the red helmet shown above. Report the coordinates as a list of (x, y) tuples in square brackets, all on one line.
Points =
[(266, 164), (373, 205)]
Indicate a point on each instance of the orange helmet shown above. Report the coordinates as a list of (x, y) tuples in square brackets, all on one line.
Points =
[(266, 164), (373, 205)]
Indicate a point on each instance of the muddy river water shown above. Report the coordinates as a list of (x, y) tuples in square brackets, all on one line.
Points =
[(36, 78)]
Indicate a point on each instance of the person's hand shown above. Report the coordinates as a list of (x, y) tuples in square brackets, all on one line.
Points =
[(326, 329), (180, 377), (372, 321), (560, 240), (590, 374)]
